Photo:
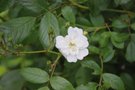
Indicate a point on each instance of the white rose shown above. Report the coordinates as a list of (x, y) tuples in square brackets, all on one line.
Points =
[(74, 45)]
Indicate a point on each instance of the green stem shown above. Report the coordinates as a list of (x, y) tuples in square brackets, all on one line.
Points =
[(41, 51), (54, 64), (102, 67), (119, 11), (78, 5)]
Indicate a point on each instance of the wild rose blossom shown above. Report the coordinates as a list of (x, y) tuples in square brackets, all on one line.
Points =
[(74, 45)]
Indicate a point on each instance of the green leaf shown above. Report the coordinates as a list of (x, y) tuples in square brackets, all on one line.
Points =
[(97, 20), (113, 81), (128, 80), (19, 28), (44, 88), (130, 53), (68, 14), (118, 39), (94, 49), (83, 75), (92, 65), (133, 26), (119, 24), (104, 41), (34, 5), (107, 53), (12, 81), (49, 29), (59, 83), (89, 86), (120, 2), (35, 75)]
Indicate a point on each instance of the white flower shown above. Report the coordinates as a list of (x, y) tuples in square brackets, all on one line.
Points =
[(74, 45)]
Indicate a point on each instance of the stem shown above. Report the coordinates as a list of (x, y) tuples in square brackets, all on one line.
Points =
[(78, 5), (54, 64), (102, 67), (41, 51), (119, 11)]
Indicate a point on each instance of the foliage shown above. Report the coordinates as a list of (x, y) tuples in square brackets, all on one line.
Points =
[(29, 59)]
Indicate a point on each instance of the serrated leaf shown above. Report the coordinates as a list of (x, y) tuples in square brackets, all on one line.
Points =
[(19, 28), (92, 65), (59, 83), (68, 14), (49, 29), (94, 49), (35, 75), (113, 81)]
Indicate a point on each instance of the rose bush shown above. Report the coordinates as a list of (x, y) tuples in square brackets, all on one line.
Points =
[(67, 44)]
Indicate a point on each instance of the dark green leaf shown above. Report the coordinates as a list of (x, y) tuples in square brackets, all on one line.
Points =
[(49, 29), (119, 24), (19, 28), (12, 81), (113, 81), (97, 20), (68, 14), (128, 81), (59, 83), (130, 53), (35, 75), (92, 65), (34, 5)]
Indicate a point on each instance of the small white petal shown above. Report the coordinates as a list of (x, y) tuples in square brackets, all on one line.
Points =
[(65, 52), (71, 58), (82, 54), (60, 42), (75, 31)]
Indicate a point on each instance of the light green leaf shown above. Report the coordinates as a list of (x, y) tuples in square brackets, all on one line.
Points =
[(130, 53), (82, 87), (92, 65), (59, 83), (49, 29), (44, 88), (68, 14), (35, 75), (113, 81), (19, 28)]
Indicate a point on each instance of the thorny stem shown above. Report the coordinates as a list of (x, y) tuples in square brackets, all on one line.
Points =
[(102, 67)]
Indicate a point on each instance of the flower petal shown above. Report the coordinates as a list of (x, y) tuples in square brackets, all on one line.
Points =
[(61, 42), (75, 31), (71, 58), (82, 54)]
